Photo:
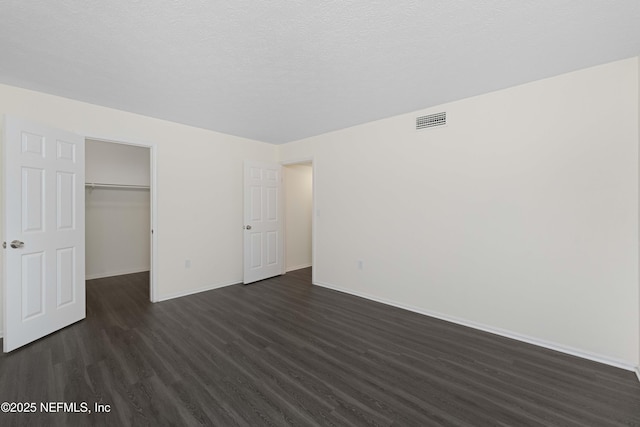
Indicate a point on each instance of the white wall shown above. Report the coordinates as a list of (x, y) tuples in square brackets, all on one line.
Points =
[(117, 220), (199, 184), (520, 216), (298, 190)]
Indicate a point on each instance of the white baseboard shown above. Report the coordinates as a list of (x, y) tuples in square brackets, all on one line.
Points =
[(298, 267), (497, 331), (194, 291), (115, 273)]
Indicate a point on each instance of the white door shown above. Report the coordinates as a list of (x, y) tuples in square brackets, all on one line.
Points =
[(44, 288), (263, 222)]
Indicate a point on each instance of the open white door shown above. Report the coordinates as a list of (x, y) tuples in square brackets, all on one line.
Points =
[(44, 283), (263, 222)]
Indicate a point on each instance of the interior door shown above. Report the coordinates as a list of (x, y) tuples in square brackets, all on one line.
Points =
[(44, 283), (263, 221)]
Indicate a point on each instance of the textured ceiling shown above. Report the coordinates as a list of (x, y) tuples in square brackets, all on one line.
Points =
[(281, 70)]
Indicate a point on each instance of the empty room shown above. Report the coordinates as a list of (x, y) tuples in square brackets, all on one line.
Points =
[(345, 213)]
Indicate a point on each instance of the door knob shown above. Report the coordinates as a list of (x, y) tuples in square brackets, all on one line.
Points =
[(248, 227), (16, 244)]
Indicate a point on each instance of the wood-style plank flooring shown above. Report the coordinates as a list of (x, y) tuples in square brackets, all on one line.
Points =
[(284, 352)]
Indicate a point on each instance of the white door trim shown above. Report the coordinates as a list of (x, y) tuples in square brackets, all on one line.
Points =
[(297, 161), (153, 191)]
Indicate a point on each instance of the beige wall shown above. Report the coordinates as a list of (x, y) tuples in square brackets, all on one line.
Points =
[(112, 163), (118, 232), (520, 216), (199, 182), (298, 190)]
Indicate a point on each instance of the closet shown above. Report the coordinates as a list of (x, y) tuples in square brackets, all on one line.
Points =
[(298, 207), (117, 209)]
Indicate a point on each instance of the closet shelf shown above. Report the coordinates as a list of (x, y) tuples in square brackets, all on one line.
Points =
[(93, 185)]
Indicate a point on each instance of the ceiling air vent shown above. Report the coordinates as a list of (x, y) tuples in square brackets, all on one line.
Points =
[(432, 120)]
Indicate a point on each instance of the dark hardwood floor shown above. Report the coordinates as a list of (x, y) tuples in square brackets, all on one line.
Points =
[(284, 352)]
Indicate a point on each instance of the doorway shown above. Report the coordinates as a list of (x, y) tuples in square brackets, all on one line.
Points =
[(119, 209), (299, 213)]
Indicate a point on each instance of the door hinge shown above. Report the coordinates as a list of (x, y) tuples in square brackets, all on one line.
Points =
[(4, 245)]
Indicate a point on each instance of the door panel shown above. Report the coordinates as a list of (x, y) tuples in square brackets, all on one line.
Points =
[(65, 200), (264, 224), (44, 284), (66, 279), (33, 200), (33, 292)]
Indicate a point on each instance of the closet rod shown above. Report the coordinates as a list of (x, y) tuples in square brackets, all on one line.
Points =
[(101, 185)]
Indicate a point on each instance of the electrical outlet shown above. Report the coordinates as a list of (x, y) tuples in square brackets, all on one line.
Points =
[(360, 264), (187, 263)]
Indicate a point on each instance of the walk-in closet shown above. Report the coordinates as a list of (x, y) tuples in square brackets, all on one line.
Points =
[(117, 203)]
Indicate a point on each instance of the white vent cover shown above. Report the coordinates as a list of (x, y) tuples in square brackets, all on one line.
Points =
[(438, 119)]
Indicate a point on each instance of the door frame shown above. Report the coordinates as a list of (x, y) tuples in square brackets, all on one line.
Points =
[(314, 212), (153, 154)]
